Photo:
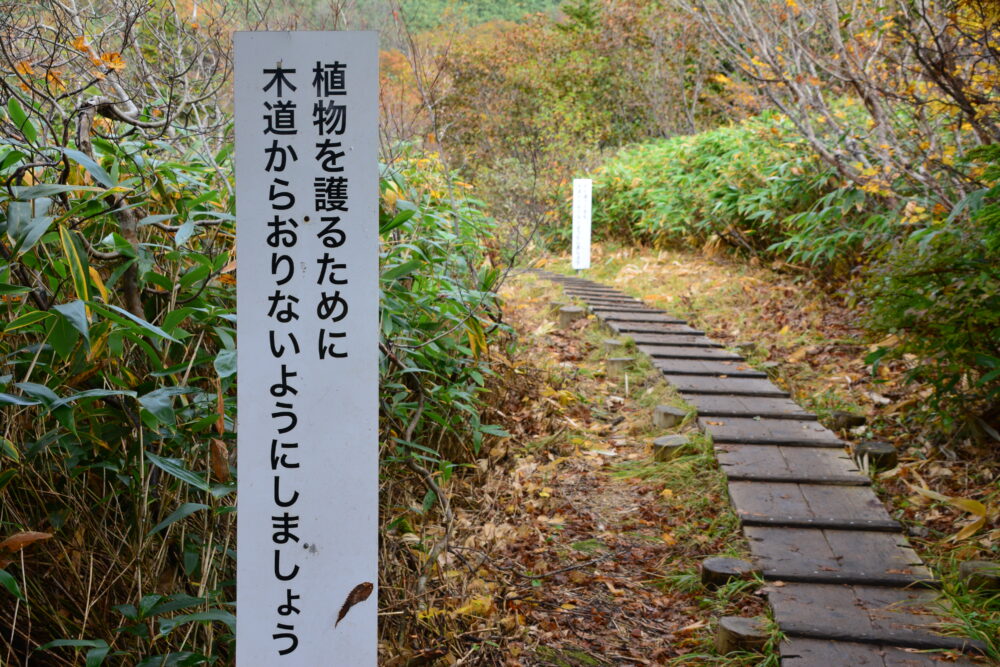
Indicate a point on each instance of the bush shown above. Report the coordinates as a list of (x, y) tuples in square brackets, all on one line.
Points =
[(939, 289), (742, 183)]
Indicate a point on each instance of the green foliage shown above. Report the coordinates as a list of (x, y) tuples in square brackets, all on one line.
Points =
[(758, 187), (743, 183), (118, 381), (429, 14), (439, 309), (939, 287)]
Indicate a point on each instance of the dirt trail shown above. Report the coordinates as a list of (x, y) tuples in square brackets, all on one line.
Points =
[(590, 547)]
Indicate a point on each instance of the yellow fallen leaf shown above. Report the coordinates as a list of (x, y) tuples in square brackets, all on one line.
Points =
[(668, 539), (666, 493), (477, 606), (798, 355)]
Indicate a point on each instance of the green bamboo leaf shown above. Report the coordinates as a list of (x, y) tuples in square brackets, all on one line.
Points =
[(88, 163), (21, 120), (26, 320), (25, 193), (77, 261), (90, 393), (225, 363), (75, 313), (168, 624), (116, 313), (6, 477), (184, 511), (174, 468), (8, 581), (403, 269), (10, 399), (12, 290)]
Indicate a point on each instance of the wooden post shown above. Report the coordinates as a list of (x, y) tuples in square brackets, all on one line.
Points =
[(881, 455), (616, 366), (736, 633), (570, 314), (667, 416), (669, 447)]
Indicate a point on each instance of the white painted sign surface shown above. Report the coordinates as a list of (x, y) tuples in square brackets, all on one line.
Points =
[(307, 311), (581, 222)]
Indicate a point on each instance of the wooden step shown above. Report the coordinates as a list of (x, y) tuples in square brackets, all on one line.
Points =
[(769, 431), (693, 384), (748, 406), (864, 614), (802, 652), (793, 504), (688, 352), (644, 317), (622, 327), (716, 368), (671, 339), (866, 557), (808, 465)]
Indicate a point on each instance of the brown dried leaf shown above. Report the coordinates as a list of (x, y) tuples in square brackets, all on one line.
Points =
[(18, 541), (219, 461)]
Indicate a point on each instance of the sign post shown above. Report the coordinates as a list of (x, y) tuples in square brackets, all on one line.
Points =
[(307, 316), (581, 222)]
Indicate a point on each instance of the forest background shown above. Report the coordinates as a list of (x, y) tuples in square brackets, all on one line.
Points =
[(851, 145)]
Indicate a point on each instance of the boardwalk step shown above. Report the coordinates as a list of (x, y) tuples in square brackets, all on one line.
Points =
[(672, 339), (810, 506), (748, 406), (692, 384), (830, 556), (769, 431), (801, 652), (644, 317), (865, 614), (652, 328), (716, 368), (769, 463), (682, 352)]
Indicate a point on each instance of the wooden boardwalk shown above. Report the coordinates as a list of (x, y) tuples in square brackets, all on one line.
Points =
[(849, 589)]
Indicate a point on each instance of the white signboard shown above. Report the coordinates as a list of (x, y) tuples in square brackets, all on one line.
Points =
[(307, 314), (581, 222)]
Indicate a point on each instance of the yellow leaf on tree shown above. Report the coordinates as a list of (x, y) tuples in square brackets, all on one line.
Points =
[(80, 44), (24, 68), (113, 61)]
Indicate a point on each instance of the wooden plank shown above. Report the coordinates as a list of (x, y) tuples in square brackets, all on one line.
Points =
[(809, 505), (688, 352), (802, 652), (748, 406), (651, 328), (769, 431), (593, 291), (637, 309), (769, 463), (830, 556), (718, 368), (611, 302), (648, 316), (674, 339), (695, 384), (865, 614)]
